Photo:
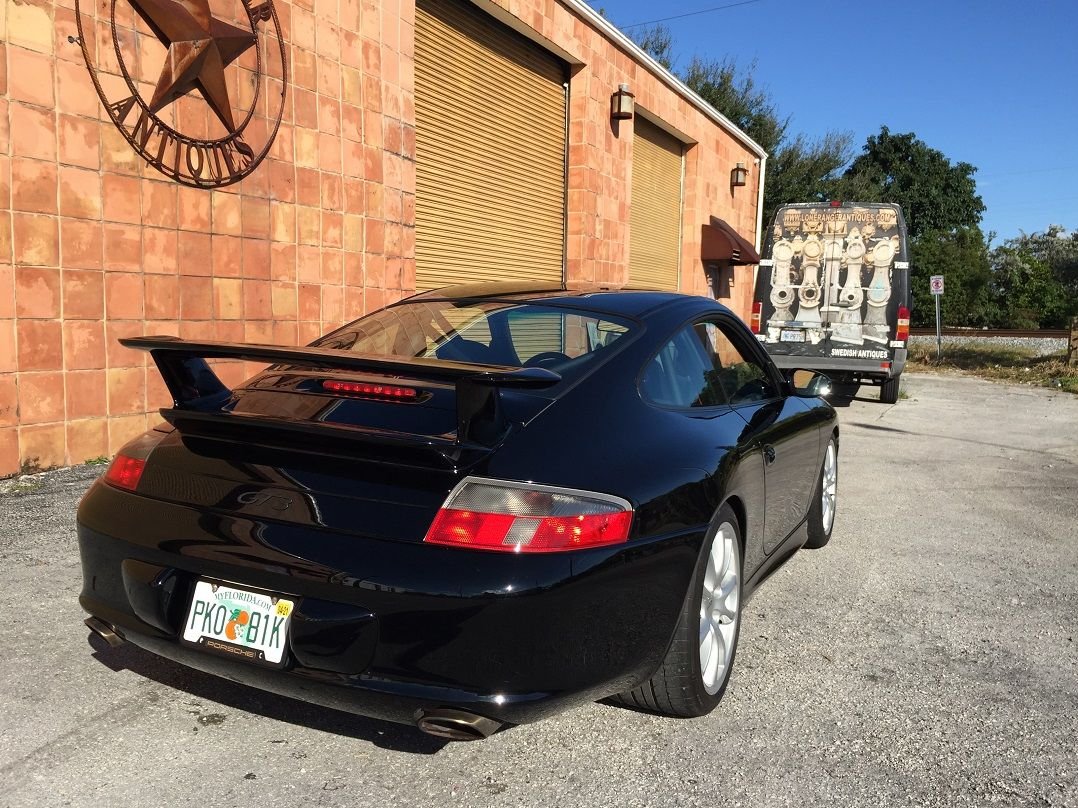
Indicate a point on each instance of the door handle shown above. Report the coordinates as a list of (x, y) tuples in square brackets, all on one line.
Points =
[(769, 454)]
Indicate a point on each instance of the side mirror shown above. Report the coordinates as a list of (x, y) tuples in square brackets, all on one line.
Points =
[(809, 383)]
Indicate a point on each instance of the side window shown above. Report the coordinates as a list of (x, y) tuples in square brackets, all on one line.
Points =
[(701, 367), (741, 379)]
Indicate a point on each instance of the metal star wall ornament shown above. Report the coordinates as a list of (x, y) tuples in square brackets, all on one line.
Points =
[(200, 47)]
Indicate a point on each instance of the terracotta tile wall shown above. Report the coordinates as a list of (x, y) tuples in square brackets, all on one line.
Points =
[(96, 245)]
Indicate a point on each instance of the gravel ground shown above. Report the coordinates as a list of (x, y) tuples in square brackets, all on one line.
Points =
[(926, 657), (1042, 347)]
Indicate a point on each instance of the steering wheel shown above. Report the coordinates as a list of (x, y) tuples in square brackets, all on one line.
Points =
[(546, 358)]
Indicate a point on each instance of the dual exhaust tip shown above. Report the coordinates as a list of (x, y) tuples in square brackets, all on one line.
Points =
[(453, 725)]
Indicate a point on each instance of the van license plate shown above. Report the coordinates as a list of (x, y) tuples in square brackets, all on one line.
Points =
[(791, 335), (240, 623)]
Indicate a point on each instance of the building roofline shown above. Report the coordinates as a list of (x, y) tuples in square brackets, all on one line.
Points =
[(614, 33)]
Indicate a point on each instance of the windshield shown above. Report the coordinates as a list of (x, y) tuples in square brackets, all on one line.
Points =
[(484, 332)]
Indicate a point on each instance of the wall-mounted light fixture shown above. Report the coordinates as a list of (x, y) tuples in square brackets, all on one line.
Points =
[(621, 103), (739, 176)]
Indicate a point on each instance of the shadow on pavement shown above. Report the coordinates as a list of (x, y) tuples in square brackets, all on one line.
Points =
[(385, 734)]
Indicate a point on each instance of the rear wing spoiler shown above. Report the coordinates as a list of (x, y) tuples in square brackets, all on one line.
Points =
[(200, 397)]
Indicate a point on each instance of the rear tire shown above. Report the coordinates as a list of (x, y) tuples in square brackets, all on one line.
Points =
[(821, 519), (889, 391), (694, 675)]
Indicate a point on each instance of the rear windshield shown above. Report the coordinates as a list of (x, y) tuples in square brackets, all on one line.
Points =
[(567, 341)]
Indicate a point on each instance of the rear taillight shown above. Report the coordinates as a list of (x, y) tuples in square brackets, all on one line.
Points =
[(902, 331), (523, 518), (757, 313), (387, 392), (125, 472)]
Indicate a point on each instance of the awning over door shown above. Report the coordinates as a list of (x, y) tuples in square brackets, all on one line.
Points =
[(720, 242)]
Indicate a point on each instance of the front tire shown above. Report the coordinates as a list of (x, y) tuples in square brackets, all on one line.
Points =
[(821, 519), (694, 675)]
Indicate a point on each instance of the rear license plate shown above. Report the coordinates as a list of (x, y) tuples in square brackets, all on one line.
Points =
[(791, 335), (239, 623)]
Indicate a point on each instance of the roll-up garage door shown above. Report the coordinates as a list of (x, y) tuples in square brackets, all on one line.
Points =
[(490, 151), (655, 217)]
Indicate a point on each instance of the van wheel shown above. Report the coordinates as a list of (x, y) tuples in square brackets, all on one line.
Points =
[(691, 680), (889, 391)]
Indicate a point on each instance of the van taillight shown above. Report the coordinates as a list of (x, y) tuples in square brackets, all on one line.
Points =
[(902, 332), (754, 320)]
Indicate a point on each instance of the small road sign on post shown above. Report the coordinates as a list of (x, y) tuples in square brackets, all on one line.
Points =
[(937, 292)]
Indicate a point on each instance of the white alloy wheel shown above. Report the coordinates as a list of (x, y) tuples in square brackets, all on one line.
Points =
[(829, 487), (720, 608)]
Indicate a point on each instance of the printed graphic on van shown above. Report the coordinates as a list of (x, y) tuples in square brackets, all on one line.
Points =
[(833, 280)]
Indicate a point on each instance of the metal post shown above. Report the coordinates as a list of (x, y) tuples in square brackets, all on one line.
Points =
[(1072, 349), (939, 332)]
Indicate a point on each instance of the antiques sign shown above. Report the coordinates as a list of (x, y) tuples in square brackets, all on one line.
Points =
[(200, 66)]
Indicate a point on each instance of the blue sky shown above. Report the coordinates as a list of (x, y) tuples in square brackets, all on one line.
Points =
[(992, 83)]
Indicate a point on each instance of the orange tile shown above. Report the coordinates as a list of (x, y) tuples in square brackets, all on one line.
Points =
[(81, 244), (157, 394), (80, 141), (42, 447), (41, 397), (126, 390), (227, 298), (117, 156), (256, 259), (310, 302), (227, 218), (196, 298), (87, 440), (37, 292), (9, 452), (84, 344), (75, 97), (116, 355), (284, 333), (80, 193), (283, 262), (124, 429), (86, 393), (194, 209), (7, 346), (123, 199), (227, 257), (256, 300), (160, 251), (36, 240), (256, 217), (83, 294), (124, 296), (195, 253), (159, 204), (33, 132), (162, 297), (40, 345), (30, 77), (9, 400), (123, 247), (33, 185)]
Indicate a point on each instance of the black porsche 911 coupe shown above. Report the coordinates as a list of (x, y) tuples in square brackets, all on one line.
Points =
[(473, 508)]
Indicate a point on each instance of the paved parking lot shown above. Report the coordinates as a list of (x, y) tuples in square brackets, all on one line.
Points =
[(928, 656)]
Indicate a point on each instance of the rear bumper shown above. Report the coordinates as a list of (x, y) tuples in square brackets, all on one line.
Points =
[(860, 367), (386, 629)]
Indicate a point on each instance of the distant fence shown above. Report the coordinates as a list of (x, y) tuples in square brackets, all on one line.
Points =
[(1016, 333)]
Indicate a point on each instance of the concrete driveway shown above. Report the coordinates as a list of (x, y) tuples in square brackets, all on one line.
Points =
[(928, 656)]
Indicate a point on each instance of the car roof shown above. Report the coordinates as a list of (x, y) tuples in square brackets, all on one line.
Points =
[(626, 302)]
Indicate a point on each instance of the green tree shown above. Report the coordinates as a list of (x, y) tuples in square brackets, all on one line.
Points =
[(961, 256), (658, 43), (1035, 279), (936, 195)]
